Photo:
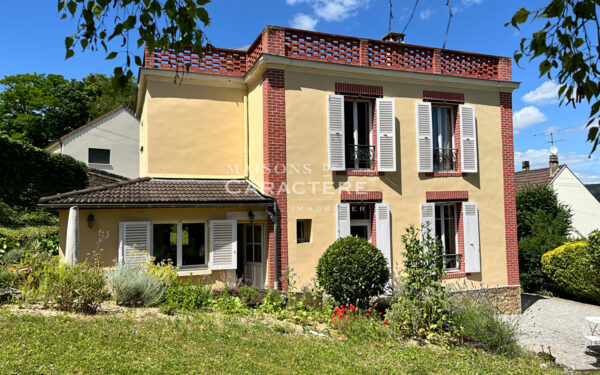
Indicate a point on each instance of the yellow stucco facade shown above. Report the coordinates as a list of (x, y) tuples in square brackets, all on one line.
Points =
[(210, 127)]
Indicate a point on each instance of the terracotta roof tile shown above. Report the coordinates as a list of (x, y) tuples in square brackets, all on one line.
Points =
[(148, 191), (534, 177)]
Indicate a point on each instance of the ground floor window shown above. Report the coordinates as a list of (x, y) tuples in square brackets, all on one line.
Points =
[(184, 244), (360, 221), (446, 229)]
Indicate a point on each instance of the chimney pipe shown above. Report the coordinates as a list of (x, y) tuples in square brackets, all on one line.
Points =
[(525, 165), (553, 164), (394, 37)]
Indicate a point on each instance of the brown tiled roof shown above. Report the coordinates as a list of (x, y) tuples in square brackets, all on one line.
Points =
[(535, 177), (106, 175), (149, 192)]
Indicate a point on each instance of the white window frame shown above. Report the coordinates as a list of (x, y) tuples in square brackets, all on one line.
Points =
[(179, 260), (262, 241), (355, 126), (363, 222), (438, 128), (442, 235)]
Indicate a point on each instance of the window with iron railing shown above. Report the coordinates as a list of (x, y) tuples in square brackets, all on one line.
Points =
[(360, 154), (444, 151)]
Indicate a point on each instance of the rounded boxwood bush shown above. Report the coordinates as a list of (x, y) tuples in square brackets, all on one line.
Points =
[(569, 268), (353, 270)]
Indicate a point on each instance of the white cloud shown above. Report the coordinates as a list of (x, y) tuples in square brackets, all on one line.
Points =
[(527, 117), (468, 3), (426, 14), (304, 22), (333, 10), (545, 94)]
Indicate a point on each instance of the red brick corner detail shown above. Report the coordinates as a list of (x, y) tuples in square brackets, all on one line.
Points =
[(510, 205), (446, 195), (456, 97), (274, 157), (356, 89), (353, 195)]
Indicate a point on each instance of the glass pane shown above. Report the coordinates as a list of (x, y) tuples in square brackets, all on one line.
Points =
[(300, 230), (359, 231), (360, 211), (164, 242), (257, 234), (444, 135), (434, 119), (257, 253), (248, 233), (193, 244), (449, 128), (249, 252), (349, 133), (363, 123)]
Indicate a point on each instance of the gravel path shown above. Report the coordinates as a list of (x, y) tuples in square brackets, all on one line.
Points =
[(560, 324)]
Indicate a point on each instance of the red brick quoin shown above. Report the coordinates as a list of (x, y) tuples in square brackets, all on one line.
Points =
[(274, 158), (510, 205)]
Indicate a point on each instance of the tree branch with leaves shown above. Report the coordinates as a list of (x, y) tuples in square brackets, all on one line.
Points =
[(567, 49), (168, 25)]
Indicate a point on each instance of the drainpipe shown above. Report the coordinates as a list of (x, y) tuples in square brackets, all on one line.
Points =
[(274, 218)]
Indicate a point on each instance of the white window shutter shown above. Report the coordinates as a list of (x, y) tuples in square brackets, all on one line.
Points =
[(471, 235), (134, 243), (335, 132), (386, 135), (428, 218), (424, 137), (343, 219), (382, 226), (468, 139), (223, 244)]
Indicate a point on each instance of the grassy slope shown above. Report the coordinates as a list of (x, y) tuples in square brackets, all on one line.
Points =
[(216, 344)]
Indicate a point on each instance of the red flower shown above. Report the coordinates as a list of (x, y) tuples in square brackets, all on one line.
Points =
[(351, 319), (380, 313), (334, 321), (360, 317), (367, 314), (369, 310)]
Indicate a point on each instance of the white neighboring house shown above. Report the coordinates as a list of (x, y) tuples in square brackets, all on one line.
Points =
[(108, 144), (569, 190)]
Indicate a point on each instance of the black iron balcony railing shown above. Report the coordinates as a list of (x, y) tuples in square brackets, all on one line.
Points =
[(445, 159), (360, 157), (452, 261)]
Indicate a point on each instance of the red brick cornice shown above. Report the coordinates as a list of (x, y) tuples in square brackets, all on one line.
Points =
[(352, 195), (356, 89), (447, 195), (456, 97)]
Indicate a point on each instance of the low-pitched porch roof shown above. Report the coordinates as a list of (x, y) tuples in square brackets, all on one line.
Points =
[(154, 192)]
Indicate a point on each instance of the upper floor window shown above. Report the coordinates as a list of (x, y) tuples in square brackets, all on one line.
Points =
[(98, 156), (444, 148), (360, 154)]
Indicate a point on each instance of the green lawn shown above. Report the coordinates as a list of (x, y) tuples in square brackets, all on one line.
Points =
[(214, 343)]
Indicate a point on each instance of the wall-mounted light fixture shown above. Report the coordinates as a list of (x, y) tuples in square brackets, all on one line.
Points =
[(251, 217), (90, 221)]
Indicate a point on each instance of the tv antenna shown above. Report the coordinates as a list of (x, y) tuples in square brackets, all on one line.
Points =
[(551, 134)]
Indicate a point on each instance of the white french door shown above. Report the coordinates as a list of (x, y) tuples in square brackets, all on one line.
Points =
[(254, 257)]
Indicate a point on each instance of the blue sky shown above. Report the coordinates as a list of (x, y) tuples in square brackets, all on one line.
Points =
[(32, 40)]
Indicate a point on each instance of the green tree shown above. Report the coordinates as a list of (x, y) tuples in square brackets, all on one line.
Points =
[(40, 108), (567, 49), (543, 223), (164, 24)]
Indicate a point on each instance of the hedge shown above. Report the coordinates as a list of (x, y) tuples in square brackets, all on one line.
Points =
[(570, 270), (28, 173)]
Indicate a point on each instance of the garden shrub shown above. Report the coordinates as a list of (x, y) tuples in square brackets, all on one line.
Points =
[(28, 173), (423, 305), (543, 223), (478, 322), (80, 288), (271, 303), (569, 267), (594, 248), (8, 278), (16, 217), (187, 296), (132, 286), (37, 265), (353, 270), (13, 256), (249, 295), (230, 304), (162, 271)]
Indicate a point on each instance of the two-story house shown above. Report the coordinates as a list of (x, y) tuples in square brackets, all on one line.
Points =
[(257, 160)]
